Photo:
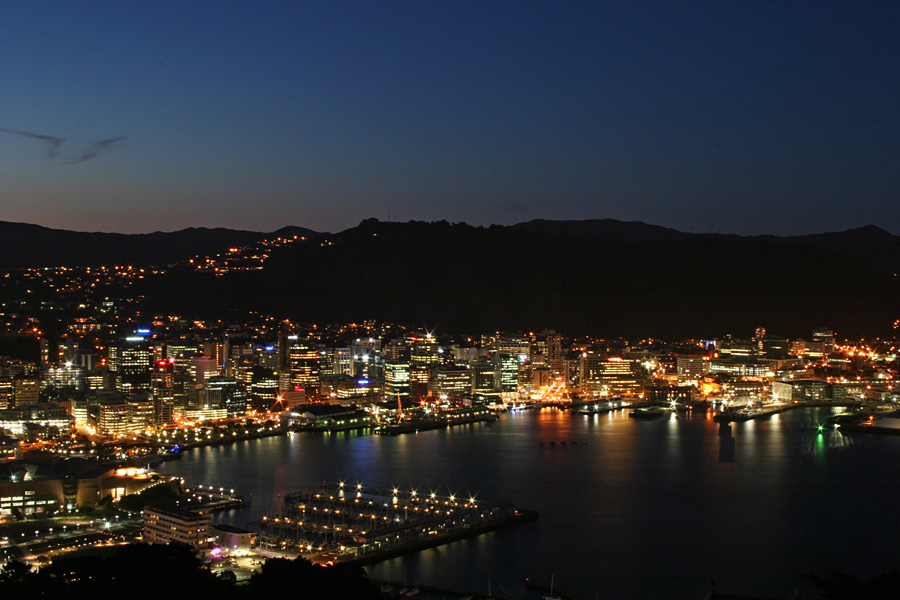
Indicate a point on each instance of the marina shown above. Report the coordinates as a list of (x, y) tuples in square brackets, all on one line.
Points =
[(346, 524)]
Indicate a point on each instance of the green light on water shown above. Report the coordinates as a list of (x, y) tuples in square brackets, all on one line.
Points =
[(821, 428)]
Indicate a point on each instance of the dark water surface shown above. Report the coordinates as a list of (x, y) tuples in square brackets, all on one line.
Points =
[(642, 509)]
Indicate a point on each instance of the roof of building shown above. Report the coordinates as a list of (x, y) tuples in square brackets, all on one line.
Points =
[(225, 528), (322, 410), (175, 511)]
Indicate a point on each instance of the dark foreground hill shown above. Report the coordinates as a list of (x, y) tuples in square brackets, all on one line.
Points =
[(461, 278)]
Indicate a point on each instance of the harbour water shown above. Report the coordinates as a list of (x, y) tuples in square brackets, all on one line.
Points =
[(628, 508)]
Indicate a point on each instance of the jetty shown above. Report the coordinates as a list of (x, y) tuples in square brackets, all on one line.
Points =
[(348, 524), (748, 413), (441, 420)]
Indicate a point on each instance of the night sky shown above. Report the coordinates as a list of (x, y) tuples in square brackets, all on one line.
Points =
[(744, 117)]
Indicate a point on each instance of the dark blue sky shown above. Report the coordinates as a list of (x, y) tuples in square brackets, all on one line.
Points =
[(748, 117)]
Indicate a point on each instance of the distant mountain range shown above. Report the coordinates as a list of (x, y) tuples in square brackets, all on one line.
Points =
[(25, 245), (603, 277)]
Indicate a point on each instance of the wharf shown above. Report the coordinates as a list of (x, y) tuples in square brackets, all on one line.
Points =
[(748, 414), (213, 500), (235, 438), (440, 421), (599, 407), (334, 524)]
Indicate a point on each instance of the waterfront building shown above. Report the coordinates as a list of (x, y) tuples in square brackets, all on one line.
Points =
[(300, 366), (141, 411), (173, 524), (603, 375), (396, 379), (353, 388), (811, 390), (669, 393), (783, 392), (506, 369), (541, 377), (418, 381), (450, 383), (224, 392), (232, 538), (112, 419), (752, 388), (40, 487), (847, 391), (264, 389), (738, 368), (200, 414), (691, 367), (483, 377)]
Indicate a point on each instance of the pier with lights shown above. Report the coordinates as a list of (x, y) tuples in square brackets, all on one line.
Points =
[(341, 523)]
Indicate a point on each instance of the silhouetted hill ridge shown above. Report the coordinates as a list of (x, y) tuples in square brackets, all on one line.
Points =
[(27, 245), (588, 279), (463, 278)]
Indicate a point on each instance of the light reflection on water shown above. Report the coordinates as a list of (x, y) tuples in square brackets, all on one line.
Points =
[(640, 509)]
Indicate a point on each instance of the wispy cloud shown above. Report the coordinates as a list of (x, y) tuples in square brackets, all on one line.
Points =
[(93, 149), (73, 152), (55, 142)]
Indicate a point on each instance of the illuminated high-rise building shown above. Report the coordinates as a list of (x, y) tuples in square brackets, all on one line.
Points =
[(450, 383), (299, 368), (418, 381), (484, 377), (506, 368), (227, 393), (423, 351), (130, 362), (603, 375), (396, 379), (203, 368)]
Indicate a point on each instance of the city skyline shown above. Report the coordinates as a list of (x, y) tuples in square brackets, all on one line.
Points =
[(750, 118)]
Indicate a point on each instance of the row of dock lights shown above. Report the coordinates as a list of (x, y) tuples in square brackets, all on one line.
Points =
[(396, 492), (221, 489)]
